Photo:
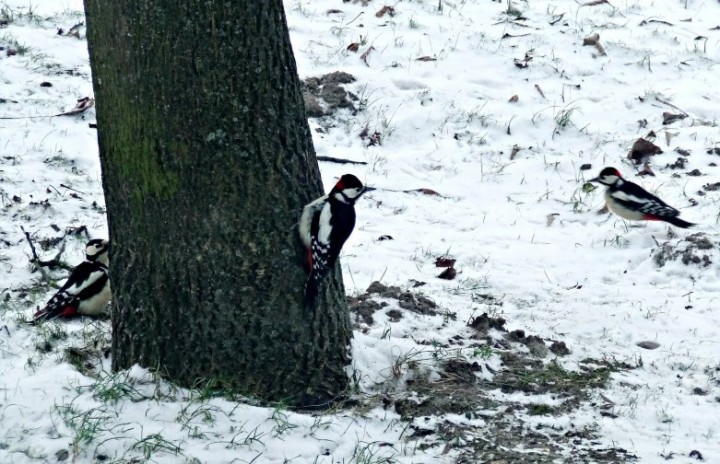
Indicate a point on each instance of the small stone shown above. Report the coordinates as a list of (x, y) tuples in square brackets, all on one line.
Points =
[(648, 345), (62, 455), (394, 314), (448, 274), (559, 348)]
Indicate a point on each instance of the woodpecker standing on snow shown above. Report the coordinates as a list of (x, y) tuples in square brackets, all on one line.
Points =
[(630, 201), (324, 226), (86, 291)]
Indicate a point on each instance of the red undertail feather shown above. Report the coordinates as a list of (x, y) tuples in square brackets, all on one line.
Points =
[(651, 217), (70, 311), (309, 260)]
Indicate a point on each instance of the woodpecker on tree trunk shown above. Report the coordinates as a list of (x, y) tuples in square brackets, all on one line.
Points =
[(325, 225)]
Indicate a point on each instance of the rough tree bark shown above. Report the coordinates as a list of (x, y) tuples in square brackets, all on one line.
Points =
[(207, 159)]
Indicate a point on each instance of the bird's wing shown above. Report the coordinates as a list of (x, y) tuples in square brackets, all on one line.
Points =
[(635, 198)]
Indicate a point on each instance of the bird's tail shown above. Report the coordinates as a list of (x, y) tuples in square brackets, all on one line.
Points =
[(676, 221), (51, 311), (312, 285), (311, 290)]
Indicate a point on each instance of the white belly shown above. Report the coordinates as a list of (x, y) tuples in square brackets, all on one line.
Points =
[(97, 304), (622, 211)]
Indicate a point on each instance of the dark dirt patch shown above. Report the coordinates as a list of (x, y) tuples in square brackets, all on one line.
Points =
[(536, 345), (690, 250), (505, 437), (325, 95), (363, 306), (502, 433)]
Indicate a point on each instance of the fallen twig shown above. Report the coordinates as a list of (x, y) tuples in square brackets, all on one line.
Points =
[(83, 104), (70, 188), (52, 263), (671, 105), (331, 159), (35, 258)]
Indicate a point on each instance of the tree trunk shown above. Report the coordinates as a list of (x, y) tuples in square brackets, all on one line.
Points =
[(207, 160)]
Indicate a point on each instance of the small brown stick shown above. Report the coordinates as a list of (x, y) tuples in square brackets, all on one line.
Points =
[(331, 159), (52, 263), (35, 258), (70, 188), (670, 105)]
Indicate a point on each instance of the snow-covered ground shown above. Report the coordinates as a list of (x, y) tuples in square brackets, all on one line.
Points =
[(496, 110)]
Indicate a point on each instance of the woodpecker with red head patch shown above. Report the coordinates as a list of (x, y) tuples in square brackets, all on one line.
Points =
[(325, 225), (86, 291), (630, 201)]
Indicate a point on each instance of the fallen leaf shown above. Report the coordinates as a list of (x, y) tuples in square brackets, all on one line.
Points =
[(333, 11), (365, 55), (444, 261), (642, 149), (426, 58), (83, 104), (668, 137), (595, 2), (515, 150), (514, 99), (448, 274), (353, 47), (648, 21), (370, 139), (550, 218), (669, 118), (390, 11), (556, 19), (542, 94), (646, 170), (589, 187), (425, 191), (510, 36), (72, 32), (680, 163), (648, 345), (591, 39)]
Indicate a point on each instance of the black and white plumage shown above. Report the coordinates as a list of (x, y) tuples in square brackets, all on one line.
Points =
[(630, 201), (325, 225), (86, 291)]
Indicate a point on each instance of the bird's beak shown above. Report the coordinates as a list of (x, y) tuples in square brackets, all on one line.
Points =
[(594, 179), (368, 189)]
